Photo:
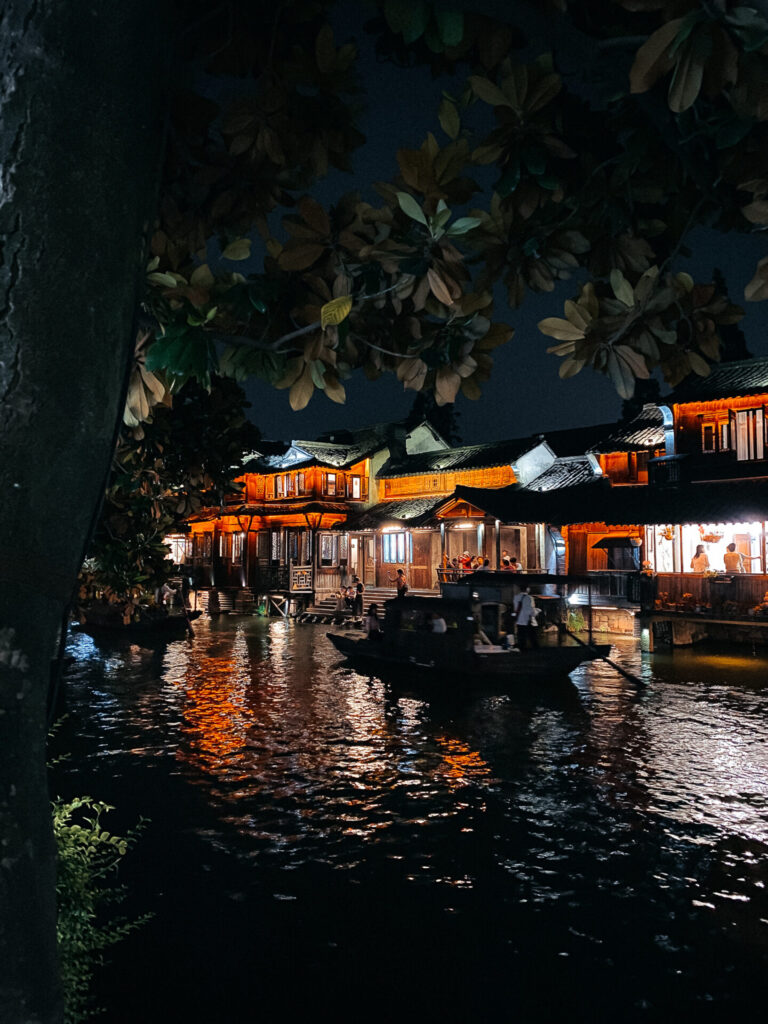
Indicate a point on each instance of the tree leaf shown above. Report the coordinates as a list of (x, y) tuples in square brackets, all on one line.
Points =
[(325, 50), (621, 375), (335, 311), (411, 208), (314, 214), (462, 225), (449, 118), (686, 82), (439, 288), (485, 90), (757, 289), (334, 389), (201, 276), (301, 391), (240, 249), (699, 365), (300, 257), (570, 367), (634, 360), (653, 59), (622, 289), (447, 384), (450, 24), (165, 280), (563, 330)]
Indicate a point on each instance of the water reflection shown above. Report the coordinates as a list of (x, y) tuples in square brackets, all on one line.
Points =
[(592, 827)]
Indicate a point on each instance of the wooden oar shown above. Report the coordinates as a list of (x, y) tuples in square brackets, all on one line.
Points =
[(622, 671)]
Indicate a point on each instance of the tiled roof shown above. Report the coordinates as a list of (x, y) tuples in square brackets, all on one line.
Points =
[(645, 431), (469, 456), (727, 502), (568, 472), (726, 380), (281, 456), (409, 512)]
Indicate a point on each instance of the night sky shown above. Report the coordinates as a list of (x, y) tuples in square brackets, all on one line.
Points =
[(525, 394)]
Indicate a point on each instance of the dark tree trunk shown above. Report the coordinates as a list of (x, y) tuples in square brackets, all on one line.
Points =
[(82, 109)]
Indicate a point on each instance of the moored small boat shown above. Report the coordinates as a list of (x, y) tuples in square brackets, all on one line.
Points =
[(158, 622), (473, 645)]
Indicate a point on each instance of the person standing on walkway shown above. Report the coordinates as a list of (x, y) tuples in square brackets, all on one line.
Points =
[(357, 600), (525, 611), (401, 583)]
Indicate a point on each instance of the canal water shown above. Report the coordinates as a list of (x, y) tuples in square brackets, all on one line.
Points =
[(328, 844)]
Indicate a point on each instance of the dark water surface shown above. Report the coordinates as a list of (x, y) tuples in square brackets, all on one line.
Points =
[(325, 844)]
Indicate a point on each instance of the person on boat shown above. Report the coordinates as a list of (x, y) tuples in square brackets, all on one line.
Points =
[(486, 564), (515, 565), (358, 589), (401, 583), (525, 612), (439, 624), (167, 594), (371, 623), (700, 562), (506, 565)]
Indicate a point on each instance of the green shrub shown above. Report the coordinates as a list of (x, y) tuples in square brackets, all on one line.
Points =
[(576, 623), (88, 858)]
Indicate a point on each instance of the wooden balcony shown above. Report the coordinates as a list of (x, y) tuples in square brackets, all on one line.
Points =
[(721, 596)]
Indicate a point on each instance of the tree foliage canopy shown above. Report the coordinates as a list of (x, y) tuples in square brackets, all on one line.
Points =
[(525, 177)]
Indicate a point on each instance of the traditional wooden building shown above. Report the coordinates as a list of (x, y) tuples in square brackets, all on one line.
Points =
[(403, 525), (276, 535)]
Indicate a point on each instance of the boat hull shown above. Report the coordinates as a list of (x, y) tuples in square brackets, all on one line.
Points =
[(166, 626), (542, 662)]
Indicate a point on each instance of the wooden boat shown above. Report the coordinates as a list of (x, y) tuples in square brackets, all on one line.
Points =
[(155, 622), (408, 641)]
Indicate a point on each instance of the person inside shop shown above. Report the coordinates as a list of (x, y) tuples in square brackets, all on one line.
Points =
[(371, 623), (733, 560), (700, 562)]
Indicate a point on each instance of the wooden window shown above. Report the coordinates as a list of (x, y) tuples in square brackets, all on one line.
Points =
[(300, 484), (356, 490), (395, 547), (289, 483), (275, 546), (330, 483), (748, 431), (329, 549), (279, 486), (269, 487), (207, 547), (237, 546), (262, 545)]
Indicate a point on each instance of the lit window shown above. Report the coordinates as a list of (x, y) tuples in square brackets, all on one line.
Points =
[(300, 487), (395, 546), (330, 483), (749, 433), (288, 483), (356, 489), (237, 546), (278, 486)]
